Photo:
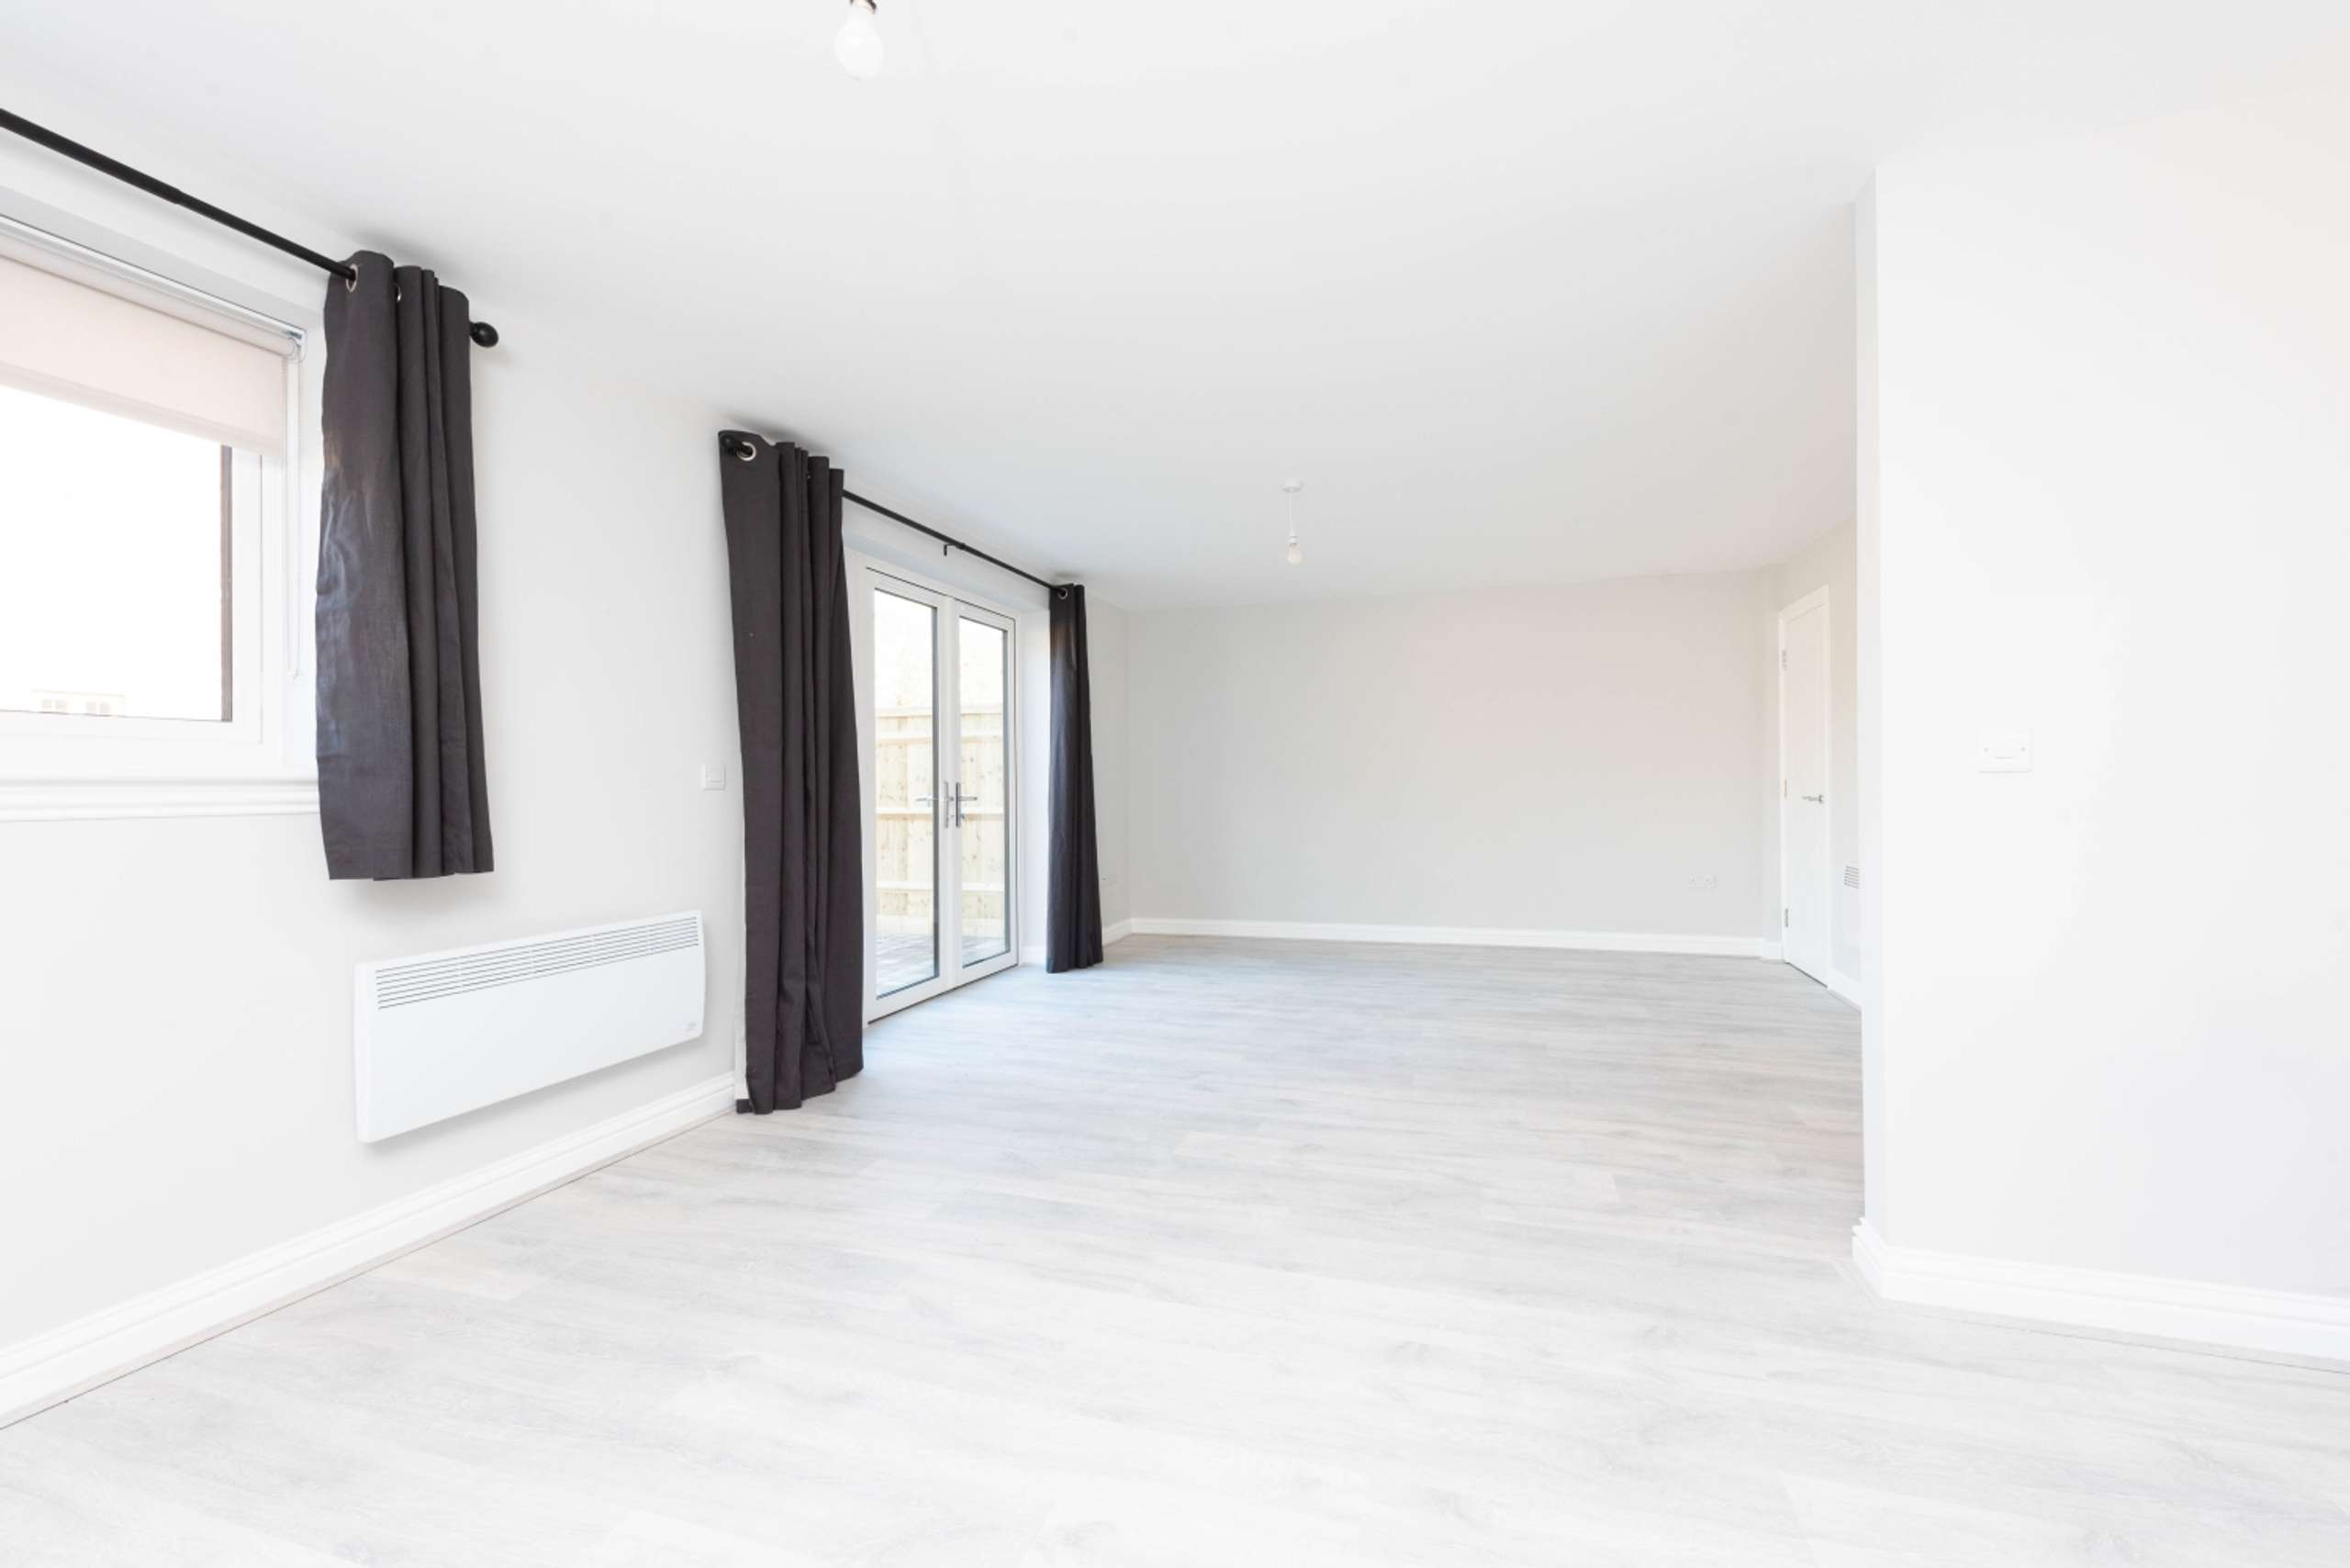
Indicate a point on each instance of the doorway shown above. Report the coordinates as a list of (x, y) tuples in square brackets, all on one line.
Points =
[(1806, 847), (938, 717)]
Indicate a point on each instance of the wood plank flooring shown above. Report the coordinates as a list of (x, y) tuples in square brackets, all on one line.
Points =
[(1224, 1253)]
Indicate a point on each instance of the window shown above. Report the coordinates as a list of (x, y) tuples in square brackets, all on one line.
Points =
[(119, 595), (150, 598)]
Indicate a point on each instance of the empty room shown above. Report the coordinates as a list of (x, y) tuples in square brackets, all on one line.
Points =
[(868, 782)]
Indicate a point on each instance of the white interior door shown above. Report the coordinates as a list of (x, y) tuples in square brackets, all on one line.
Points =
[(936, 691), (1805, 877)]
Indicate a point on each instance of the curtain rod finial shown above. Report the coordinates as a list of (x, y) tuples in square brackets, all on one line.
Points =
[(485, 334)]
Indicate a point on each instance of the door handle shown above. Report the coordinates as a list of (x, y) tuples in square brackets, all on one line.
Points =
[(1822, 800), (958, 801)]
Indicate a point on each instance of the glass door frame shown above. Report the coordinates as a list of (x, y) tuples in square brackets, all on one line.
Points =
[(867, 576)]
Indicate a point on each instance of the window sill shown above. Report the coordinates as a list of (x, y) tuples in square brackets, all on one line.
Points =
[(106, 799)]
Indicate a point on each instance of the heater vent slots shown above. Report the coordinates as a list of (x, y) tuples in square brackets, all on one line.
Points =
[(424, 980)]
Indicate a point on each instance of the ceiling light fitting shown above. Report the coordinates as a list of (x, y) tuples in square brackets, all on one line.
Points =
[(1293, 555), (857, 46)]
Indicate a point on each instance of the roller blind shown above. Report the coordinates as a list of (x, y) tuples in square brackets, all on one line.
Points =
[(70, 332)]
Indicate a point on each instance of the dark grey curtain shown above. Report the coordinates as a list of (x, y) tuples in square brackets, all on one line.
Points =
[(1073, 905), (402, 791), (803, 847)]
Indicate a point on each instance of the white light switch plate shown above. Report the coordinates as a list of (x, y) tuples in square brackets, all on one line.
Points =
[(714, 775), (2004, 751)]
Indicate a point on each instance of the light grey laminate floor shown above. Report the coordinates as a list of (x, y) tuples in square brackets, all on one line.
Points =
[(1224, 1253)]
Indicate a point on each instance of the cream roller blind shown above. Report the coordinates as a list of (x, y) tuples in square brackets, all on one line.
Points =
[(109, 344)]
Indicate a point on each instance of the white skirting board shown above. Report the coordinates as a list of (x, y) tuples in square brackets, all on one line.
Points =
[(2278, 1322), (1463, 937), (65, 1361)]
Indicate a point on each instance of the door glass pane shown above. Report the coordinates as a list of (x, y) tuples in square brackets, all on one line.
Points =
[(981, 669), (905, 769)]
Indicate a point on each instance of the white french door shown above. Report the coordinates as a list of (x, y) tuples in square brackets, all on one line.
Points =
[(936, 691)]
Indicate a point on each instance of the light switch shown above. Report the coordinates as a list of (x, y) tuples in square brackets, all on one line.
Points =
[(2004, 751), (714, 775)]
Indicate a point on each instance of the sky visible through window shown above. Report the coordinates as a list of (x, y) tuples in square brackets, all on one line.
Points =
[(110, 563)]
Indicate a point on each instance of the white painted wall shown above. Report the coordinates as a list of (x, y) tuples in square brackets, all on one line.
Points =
[(1869, 684), (2111, 375), (1825, 562), (175, 1076), (1559, 758)]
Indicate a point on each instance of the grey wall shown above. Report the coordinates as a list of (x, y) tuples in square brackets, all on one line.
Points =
[(1108, 631), (1562, 759)]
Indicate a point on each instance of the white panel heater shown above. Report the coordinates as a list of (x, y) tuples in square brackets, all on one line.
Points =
[(446, 1032)]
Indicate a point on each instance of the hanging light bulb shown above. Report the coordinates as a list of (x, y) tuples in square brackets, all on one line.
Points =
[(857, 46), (1293, 555)]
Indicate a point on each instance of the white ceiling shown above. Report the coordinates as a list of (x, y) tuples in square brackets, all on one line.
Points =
[(1523, 291)]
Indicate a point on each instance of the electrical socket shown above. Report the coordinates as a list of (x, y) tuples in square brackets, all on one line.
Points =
[(2003, 751), (1705, 884)]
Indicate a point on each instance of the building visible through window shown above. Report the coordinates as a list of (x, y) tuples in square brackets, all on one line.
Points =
[(97, 704)]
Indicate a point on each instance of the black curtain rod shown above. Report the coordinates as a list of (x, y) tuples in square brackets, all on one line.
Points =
[(954, 544), (482, 332), (744, 449)]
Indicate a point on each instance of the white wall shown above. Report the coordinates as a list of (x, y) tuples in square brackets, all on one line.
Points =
[(175, 1077), (1869, 684), (1825, 562), (1562, 759), (2112, 414)]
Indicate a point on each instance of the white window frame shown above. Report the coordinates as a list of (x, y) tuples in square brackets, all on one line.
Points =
[(260, 761)]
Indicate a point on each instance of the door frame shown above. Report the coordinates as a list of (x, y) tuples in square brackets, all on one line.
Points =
[(866, 573), (1818, 600)]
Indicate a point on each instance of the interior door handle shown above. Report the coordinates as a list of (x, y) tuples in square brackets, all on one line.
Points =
[(960, 800), (1822, 800)]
